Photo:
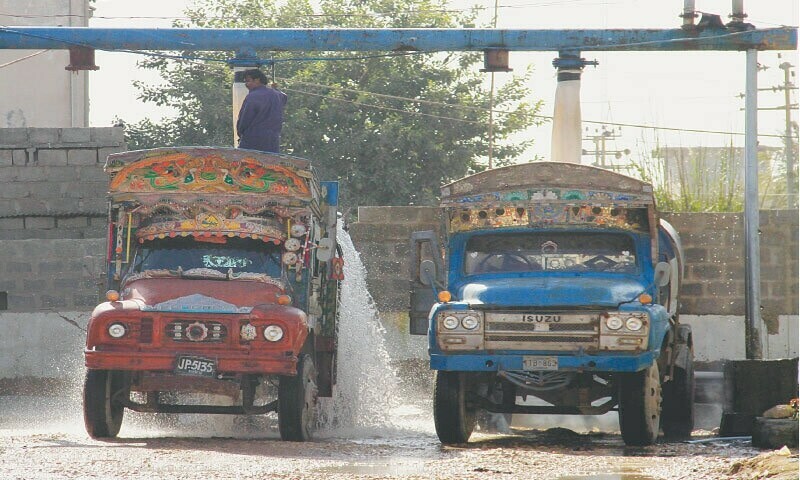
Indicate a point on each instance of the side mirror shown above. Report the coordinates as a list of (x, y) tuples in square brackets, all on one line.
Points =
[(661, 276), (324, 249), (427, 272)]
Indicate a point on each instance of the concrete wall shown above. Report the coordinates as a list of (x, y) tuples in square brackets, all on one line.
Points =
[(712, 296), (52, 247), (42, 93)]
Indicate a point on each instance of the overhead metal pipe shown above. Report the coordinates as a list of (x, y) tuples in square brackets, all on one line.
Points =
[(427, 40)]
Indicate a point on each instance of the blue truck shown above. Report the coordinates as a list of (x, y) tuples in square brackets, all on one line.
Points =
[(556, 281)]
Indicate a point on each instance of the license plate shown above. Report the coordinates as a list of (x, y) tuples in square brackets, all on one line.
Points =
[(539, 363), (531, 318), (196, 366)]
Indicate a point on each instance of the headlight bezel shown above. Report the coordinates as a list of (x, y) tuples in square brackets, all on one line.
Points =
[(470, 322), (632, 321), (114, 326), (277, 336), (452, 321)]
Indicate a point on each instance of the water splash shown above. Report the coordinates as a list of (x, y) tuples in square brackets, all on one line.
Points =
[(367, 386)]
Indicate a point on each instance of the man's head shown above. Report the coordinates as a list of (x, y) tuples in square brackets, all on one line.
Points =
[(254, 78)]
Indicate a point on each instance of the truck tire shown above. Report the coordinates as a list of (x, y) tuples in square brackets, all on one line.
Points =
[(453, 418), (297, 401), (640, 406), (101, 415), (677, 414)]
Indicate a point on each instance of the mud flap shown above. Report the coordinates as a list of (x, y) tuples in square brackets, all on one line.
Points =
[(683, 351)]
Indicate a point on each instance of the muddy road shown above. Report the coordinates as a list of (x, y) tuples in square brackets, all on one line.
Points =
[(40, 439)]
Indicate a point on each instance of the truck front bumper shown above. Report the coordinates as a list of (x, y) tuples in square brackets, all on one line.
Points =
[(583, 363), (227, 362)]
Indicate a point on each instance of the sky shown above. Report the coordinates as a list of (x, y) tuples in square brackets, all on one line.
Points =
[(684, 90)]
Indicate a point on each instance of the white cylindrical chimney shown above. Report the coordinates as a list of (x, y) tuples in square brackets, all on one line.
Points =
[(238, 92)]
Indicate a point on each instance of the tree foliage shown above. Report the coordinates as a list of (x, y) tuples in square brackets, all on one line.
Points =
[(391, 128)]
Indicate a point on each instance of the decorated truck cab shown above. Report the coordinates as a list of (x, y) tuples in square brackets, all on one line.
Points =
[(223, 274), (556, 292)]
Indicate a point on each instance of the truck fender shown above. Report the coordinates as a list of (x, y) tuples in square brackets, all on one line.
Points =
[(682, 353)]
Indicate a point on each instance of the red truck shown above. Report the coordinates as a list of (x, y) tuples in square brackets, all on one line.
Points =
[(223, 274)]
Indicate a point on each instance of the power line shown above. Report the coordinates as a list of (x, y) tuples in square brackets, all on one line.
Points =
[(12, 62), (381, 107)]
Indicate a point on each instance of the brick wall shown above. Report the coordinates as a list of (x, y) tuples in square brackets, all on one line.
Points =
[(53, 216), (713, 244)]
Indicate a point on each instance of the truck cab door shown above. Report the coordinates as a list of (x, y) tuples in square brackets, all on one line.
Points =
[(427, 277)]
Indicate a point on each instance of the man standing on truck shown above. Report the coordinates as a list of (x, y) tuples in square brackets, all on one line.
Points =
[(261, 117)]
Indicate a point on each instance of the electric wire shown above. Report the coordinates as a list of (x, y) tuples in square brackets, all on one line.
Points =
[(12, 62)]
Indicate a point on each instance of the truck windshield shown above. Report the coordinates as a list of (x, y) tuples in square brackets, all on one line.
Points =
[(550, 251), (235, 254)]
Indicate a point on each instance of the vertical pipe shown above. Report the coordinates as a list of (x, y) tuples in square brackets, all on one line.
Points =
[(688, 14), (737, 13), (565, 143), (238, 92), (753, 327)]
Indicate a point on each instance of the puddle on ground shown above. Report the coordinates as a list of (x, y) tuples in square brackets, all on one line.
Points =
[(387, 466), (606, 476)]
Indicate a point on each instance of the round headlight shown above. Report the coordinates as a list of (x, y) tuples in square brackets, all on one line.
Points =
[(117, 330), (634, 324), (450, 322), (470, 322), (614, 323), (273, 333)]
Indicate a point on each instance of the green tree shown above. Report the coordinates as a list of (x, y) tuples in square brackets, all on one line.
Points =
[(391, 128)]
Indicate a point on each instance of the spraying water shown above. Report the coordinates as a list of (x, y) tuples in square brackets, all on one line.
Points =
[(367, 398)]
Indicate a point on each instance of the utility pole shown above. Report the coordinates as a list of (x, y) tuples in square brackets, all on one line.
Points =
[(787, 87), (600, 151), (791, 179)]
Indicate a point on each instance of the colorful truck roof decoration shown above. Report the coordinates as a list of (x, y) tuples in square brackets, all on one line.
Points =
[(547, 215), (208, 224), (192, 174), (210, 193), (550, 194), (547, 182)]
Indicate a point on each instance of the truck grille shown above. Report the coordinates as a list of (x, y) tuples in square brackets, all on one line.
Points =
[(564, 331), (196, 331)]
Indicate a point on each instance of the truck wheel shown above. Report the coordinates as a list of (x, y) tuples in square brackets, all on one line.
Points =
[(453, 418), (101, 415), (677, 415), (640, 406), (297, 402)]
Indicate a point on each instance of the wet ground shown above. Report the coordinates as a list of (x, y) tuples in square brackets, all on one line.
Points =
[(39, 440)]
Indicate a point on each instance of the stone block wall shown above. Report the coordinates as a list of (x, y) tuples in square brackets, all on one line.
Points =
[(53, 216), (714, 282)]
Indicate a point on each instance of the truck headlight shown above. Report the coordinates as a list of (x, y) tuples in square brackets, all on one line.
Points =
[(117, 330), (634, 324), (273, 333), (613, 323), (450, 322), (470, 322)]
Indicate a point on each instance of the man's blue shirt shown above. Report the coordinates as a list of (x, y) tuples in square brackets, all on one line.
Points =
[(260, 119)]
